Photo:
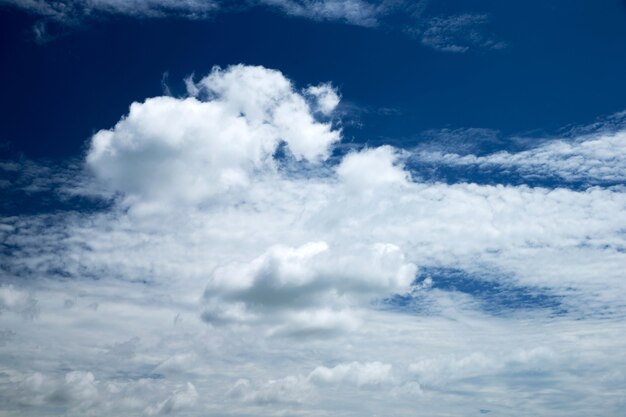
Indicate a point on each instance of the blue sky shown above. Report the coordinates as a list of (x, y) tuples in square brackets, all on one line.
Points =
[(561, 64), (312, 208)]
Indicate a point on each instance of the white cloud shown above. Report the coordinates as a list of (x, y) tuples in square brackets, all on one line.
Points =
[(79, 393), (359, 374), (596, 157), (326, 97), (212, 145), (288, 390), (297, 390), (79, 390), (222, 284), (372, 169), (306, 289)]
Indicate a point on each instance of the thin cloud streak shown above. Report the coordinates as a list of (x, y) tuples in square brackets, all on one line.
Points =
[(455, 33)]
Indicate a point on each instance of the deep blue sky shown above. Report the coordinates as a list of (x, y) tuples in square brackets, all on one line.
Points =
[(564, 63)]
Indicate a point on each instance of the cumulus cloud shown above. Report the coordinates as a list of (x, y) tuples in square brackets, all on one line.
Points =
[(312, 280), (302, 389), (325, 96), (217, 272), (372, 169), (288, 390), (224, 134), (359, 374)]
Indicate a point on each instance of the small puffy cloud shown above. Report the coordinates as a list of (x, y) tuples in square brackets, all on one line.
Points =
[(288, 390), (325, 97), (371, 169), (356, 373)]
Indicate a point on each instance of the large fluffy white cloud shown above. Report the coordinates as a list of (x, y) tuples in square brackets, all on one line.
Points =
[(187, 150), (228, 276)]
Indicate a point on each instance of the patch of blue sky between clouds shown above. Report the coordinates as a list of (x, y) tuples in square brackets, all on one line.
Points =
[(436, 289), (32, 187)]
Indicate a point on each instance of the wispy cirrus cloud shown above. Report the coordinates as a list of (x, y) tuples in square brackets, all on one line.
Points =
[(459, 33), (453, 33), (590, 159), (356, 12), (73, 11)]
